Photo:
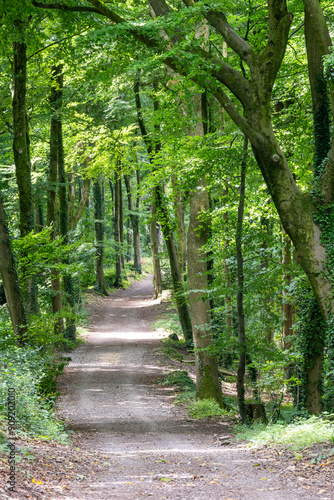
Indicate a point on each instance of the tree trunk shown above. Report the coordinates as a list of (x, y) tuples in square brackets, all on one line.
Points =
[(287, 307), (180, 229), (52, 192), (11, 282), (63, 220), (118, 243), (162, 215), (240, 294), (228, 304), (82, 203), (155, 252), (21, 149), (135, 225), (121, 221), (207, 381), (99, 237), (21, 142)]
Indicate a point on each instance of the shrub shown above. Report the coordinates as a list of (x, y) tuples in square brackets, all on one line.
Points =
[(24, 369)]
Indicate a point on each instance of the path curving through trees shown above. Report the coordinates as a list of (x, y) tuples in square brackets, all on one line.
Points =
[(152, 449)]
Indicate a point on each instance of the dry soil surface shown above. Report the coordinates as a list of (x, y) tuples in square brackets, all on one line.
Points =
[(137, 444)]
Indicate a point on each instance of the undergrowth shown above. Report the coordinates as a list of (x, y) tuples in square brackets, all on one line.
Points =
[(297, 435)]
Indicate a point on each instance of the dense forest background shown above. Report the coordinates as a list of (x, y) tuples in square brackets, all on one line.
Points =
[(195, 141)]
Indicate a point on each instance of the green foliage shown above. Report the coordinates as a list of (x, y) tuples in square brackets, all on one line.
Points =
[(28, 372), (302, 433), (203, 408), (180, 379)]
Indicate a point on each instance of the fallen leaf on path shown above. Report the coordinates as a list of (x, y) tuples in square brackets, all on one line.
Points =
[(166, 479), (36, 482)]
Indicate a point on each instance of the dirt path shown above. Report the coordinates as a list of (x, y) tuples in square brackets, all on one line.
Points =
[(151, 449)]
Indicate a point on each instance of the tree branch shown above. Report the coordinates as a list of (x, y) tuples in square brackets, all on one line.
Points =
[(61, 6), (219, 21), (279, 25)]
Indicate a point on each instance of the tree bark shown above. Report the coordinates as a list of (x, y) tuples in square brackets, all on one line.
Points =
[(63, 219), (135, 225), (21, 149), (240, 294), (287, 307), (157, 281), (118, 221), (163, 216), (180, 229), (21, 142), (207, 381), (11, 282), (52, 193), (99, 237), (82, 203)]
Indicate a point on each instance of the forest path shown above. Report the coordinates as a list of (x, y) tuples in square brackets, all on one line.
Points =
[(151, 448)]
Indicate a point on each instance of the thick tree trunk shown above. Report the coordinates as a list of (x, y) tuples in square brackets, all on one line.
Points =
[(240, 294), (52, 192), (135, 225), (99, 237), (11, 282), (21, 149), (21, 142), (157, 281), (207, 381)]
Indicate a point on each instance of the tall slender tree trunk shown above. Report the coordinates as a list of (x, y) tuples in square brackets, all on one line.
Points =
[(63, 219), (11, 282), (180, 229), (207, 381), (178, 286), (21, 149), (228, 304), (313, 345), (52, 193), (99, 237), (135, 225), (240, 301), (118, 221), (162, 215), (155, 250), (287, 307)]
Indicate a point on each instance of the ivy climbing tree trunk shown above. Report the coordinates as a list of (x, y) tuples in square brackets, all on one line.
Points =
[(99, 237), (21, 149), (11, 282), (52, 192), (240, 294)]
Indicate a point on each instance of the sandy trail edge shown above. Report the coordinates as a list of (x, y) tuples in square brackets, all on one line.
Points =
[(152, 449)]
